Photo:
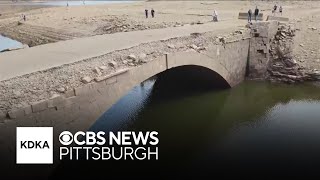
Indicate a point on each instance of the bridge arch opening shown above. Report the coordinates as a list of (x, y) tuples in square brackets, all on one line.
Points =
[(187, 79)]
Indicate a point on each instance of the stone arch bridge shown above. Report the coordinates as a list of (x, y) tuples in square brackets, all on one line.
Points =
[(80, 107)]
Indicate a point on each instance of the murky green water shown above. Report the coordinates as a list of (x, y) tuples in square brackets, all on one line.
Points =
[(255, 126), (256, 129)]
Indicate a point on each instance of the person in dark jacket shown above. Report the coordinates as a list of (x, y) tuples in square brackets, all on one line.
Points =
[(256, 13), (249, 15), (152, 13), (146, 12)]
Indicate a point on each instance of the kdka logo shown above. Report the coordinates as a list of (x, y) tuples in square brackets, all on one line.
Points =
[(34, 145)]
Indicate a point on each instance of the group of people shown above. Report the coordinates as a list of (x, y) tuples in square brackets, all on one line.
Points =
[(256, 13), (275, 7), (147, 13)]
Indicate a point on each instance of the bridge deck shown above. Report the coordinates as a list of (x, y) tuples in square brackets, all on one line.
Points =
[(25, 61)]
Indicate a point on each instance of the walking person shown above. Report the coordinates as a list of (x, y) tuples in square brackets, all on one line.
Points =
[(256, 13), (249, 15), (152, 13), (146, 12), (280, 10)]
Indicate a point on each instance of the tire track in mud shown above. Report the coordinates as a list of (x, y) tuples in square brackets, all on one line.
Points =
[(35, 35)]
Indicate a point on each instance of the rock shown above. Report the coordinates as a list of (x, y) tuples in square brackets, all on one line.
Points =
[(124, 62), (199, 22), (193, 46), (130, 64), (312, 28), (238, 32), (86, 79), (61, 90), (54, 96), (283, 34), (302, 45), (142, 56), (222, 39), (16, 93), (97, 71), (132, 57), (201, 48), (195, 34), (103, 68), (171, 46), (112, 64)]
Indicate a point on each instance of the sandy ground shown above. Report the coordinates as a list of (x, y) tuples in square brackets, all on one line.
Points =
[(53, 24)]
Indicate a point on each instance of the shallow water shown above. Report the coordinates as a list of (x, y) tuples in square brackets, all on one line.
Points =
[(6, 43)]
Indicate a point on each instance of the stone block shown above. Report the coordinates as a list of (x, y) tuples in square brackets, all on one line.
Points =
[(27, 110), (277, 18), (244, 15), (83, 90), (56, 101), (98, 79), (39, 106), (69, 93), (111, 80), (16, 113), (3, 116)]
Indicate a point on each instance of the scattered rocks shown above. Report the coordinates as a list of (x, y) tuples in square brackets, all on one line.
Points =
[(86, 79)]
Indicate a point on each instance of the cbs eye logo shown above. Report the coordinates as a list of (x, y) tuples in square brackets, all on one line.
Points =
[(66, 138)]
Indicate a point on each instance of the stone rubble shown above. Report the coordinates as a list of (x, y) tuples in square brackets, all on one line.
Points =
[(283, 67), (86, 79)]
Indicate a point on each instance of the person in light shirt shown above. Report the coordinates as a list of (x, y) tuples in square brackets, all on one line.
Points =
[(215, 15)]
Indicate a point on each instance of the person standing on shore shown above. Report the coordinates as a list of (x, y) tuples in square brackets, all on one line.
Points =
[(249, 15), (152, 13), (146, 12), (215, 16), (256, 13), (275, 9)]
